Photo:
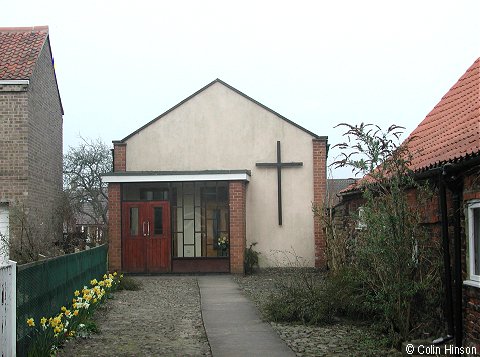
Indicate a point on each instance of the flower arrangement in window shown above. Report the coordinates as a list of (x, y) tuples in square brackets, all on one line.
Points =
[(222, 242)]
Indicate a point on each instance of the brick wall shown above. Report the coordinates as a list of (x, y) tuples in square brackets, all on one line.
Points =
[(13, 144), (45, 138), (471, 295), (319, 189), (237, 201), (31, 155), (119, 157), (114, 228), (431, 220)]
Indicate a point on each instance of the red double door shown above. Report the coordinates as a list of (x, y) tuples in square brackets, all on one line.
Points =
[(146, 237)]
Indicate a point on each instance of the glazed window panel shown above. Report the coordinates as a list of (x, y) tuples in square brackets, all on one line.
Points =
[(202, 215), (133, 221), (158, 220)]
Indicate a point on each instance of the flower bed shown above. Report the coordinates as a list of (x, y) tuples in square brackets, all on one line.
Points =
[(50, 333)]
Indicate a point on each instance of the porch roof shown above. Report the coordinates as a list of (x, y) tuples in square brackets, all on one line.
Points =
[(177, 176)]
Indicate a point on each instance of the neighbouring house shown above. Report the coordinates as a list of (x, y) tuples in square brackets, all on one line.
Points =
[(31, 127), (446, 151), (334, 187), (195, 186)]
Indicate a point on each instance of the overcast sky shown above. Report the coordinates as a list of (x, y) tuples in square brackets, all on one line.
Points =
[(318, 63)]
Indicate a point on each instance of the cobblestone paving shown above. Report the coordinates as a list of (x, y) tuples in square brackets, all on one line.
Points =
[(340, 339), (161, 319), (164, 319)]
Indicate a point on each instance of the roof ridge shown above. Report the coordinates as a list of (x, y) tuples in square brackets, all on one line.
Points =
[(25, 29)]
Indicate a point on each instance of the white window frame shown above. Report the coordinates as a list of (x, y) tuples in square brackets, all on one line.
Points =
[(473, 279), (361, 219)]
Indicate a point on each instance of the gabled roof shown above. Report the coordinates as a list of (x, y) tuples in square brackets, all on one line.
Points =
[(334, 187), (451, 131), (19, 50), (233, 89)]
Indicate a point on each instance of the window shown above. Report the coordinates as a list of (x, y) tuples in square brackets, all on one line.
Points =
[(474, 242), (200, 219), (361, 218)]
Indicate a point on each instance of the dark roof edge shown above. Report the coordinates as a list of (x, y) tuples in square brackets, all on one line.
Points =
[(231, 88), (193, 172), (47, 39)]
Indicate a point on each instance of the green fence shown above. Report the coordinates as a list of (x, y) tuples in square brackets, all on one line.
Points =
[(44, 287)]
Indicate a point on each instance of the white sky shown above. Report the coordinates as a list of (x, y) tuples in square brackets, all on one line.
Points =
[(318, 63)]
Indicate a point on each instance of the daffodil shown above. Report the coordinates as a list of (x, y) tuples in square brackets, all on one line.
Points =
[(93, 282), (31, 322), (63, 308), (75, 313), (76, 293), (43, 321)]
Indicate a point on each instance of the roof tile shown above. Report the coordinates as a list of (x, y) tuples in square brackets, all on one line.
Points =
[(451, 130), (19, 50)]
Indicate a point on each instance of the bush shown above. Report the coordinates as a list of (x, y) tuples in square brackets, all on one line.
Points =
[(128, 283), (251, 259), (307, 297)]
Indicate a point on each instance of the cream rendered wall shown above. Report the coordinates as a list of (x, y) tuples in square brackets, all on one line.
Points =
[(219, 129)]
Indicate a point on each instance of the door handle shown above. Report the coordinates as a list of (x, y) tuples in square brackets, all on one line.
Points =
[(143, 228), (148, 227)]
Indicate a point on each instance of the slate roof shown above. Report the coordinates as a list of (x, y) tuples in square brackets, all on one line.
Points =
[(335, 186), (451, 131), (19, 50)]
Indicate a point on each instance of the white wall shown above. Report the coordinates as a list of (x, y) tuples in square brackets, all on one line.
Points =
[(219, 129)]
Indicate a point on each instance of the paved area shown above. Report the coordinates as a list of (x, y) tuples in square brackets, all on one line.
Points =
[(232, 323), (161, 319)]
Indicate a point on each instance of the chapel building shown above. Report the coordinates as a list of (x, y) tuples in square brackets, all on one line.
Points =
[(194, 187)]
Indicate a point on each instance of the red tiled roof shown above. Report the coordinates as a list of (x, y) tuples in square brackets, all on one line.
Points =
[(451, 131), (19, 50)]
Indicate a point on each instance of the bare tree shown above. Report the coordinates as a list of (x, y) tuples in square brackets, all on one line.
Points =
[(82, 169)]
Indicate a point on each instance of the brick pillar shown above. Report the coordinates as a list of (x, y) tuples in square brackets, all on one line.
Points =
[(319, 189), (114, 227), (119, 156), (237, 199), (115, 209)]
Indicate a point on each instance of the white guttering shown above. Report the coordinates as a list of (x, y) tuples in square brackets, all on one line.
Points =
[(15, 82), (176, 177)]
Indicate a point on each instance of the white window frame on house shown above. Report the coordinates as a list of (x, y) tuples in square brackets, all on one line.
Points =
[(473, 256), (361, 219)]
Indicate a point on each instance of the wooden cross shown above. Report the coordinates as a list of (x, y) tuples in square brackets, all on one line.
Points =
[(279, 165)]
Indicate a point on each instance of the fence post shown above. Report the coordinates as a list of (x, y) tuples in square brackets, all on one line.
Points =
[(8, 336), (13, 310)]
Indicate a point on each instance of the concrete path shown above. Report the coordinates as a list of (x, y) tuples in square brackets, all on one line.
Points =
[(232, 323)]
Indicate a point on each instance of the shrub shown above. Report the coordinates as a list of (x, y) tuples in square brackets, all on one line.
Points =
[(128, 283), (251, 259)]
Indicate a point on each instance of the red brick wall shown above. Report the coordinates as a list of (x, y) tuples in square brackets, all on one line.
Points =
[(114, 228), (319, 189), (471, 295), (119, 157), (431, 218), (237, 201)]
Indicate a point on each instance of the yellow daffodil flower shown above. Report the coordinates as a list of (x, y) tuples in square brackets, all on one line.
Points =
[(30, 322)]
